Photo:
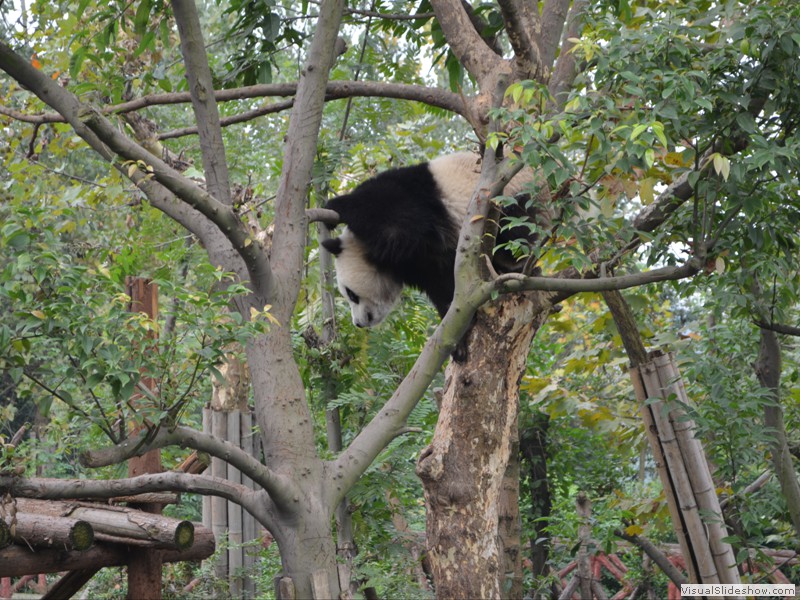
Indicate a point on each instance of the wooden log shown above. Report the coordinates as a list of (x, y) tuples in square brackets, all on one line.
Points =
[(196, 462), (122, 524), (51, 532), (16, 560)]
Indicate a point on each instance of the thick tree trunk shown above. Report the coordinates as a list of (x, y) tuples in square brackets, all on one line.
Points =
[(463, 469)]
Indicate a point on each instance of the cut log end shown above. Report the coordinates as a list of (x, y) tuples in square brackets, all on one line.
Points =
[(81, 536), (184, 535)]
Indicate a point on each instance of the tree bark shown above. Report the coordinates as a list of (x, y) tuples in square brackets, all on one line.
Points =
[(463, 469)]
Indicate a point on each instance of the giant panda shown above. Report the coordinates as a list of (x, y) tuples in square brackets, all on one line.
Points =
[(402, 230)]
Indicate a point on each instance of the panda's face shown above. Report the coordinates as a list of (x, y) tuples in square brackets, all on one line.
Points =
[(370, 293)]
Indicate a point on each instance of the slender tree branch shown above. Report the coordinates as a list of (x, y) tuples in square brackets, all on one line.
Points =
[(280, 489), (323, 215), (255, 502), (514, 282), (289, 234), (243, 117), (335, 90), (778, 327), (656, 555), (201, 88)]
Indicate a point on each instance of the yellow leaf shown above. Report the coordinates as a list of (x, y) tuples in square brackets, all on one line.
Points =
[(719, 265), (38, 314), (646, 190), (634, 530)]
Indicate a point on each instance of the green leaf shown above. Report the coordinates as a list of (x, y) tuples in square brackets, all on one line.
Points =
[(76, 60), (142, 17)]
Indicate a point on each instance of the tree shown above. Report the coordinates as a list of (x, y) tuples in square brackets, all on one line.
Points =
[(639, 110)]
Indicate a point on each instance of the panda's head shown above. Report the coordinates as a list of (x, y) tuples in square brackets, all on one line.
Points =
[(370, 293)]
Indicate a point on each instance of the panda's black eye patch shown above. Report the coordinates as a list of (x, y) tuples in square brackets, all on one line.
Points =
[(352, 295)]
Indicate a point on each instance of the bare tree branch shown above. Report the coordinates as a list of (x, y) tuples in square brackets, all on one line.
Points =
[(335, 90), (281, 489), (466, 43), (255, 502), (323, 215), (778, 327), (554, 15), (514, 282), (565, 69), (201, 88), (289, 234), (524, 31)]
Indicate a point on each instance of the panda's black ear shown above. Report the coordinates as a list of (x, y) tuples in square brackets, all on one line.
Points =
[(333, 245)]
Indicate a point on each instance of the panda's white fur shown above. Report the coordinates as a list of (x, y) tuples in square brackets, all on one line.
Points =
[(402, 229), (370, 293), (457, 176)]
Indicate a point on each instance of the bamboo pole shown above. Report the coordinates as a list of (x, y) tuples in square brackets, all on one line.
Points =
[(694, 524), (698, 469), (651, 430)]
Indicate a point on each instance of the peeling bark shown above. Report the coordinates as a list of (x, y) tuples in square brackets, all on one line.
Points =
[(463, 469)]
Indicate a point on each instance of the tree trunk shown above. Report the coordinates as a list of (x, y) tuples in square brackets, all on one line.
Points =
[(533, 446), (509, 526), (768, 369), (463, 469)]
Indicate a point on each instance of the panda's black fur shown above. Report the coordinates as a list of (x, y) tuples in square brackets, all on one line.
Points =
[(409, 234), (407, 222)]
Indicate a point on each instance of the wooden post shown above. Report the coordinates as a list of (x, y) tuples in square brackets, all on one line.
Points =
[(144, 565), (235, 550)]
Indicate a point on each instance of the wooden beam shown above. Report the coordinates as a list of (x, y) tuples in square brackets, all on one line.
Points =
[(16, 560)]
